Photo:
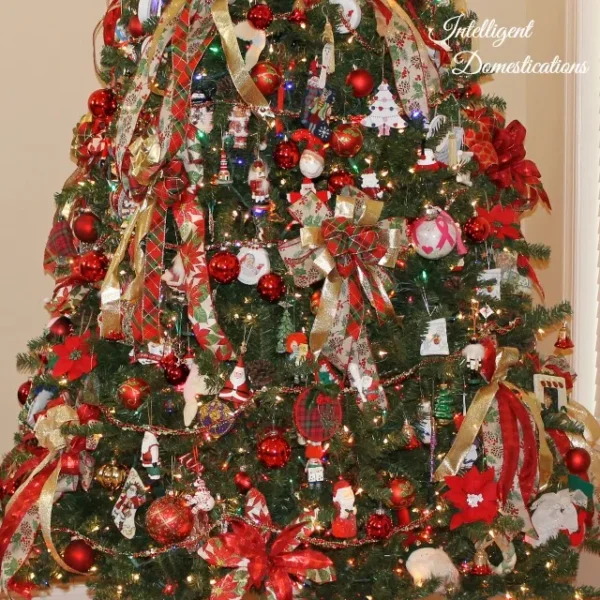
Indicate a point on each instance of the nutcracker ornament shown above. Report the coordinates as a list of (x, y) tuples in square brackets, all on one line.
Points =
[(236, 388), (344, 523), (150, 458), (131, 498), (258, 180), (202, 112), (238, 125), (474, 354), (315, 472), (313, 90), (319, 113), (312, 160)]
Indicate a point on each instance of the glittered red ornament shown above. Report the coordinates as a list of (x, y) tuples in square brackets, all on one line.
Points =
[(286, 154), (23, 392), (224, 267), (361, 82), (176, 374), (260, 16), (346, 140), (103, 103), (315, 301), (458, 419), (298, 14), (169, 520), (578, 461), (379, 525), (79, 556), (85, 227), (243, 482), (477, 229), (271, 287), (133, 392), (92, 266), (266, 77), (402, 497), (273, 449), (409, 433), (473, 91), (135, 26), (339, 180), (61, 327), (170, 588)]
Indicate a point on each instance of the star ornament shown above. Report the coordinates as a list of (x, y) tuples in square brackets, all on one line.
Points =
[(475, 495), (75, 357)]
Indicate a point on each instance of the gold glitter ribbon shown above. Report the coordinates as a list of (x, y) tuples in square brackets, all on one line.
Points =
[(368, 275), (49, 436), (240, 75), (507, 357)]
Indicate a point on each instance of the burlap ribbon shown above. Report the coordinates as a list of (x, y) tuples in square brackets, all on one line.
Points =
[(32, 502), (476, 415), (349, 248)]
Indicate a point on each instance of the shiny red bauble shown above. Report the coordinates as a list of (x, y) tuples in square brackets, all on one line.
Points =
[(23, 392), (477, 229), (474, 91), (93, 266), (266, 77), (403, 493), (170, 588), (271, 287), (243, 482), (286, 154), (361, 82), (169, 520), (86, 227), (176, 374), (103, 103), (61, 327), (346, 140), (338, 180), (578, 461), (136, 28), (273, 449), (260, 16), (133, 392), (79, 556), (224, 267), (379, 525)]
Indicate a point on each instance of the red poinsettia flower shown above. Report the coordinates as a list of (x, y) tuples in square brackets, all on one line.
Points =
[(475, 495), (504, 221), (74, 357)]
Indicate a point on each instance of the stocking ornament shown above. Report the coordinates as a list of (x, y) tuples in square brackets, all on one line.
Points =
[(132, 496)]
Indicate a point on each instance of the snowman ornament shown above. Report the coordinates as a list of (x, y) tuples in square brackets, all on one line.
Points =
[(201, 500)]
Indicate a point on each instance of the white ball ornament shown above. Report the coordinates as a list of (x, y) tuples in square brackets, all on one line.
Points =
[(432, 563), (435, 234)]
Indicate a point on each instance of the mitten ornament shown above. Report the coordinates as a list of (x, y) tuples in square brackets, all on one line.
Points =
[(132, 496)]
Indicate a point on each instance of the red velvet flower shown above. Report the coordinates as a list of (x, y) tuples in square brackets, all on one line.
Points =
[(475, 495), (74, 357), (504, 221)]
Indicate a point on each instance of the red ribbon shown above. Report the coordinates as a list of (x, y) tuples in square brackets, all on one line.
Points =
[(516, 427)]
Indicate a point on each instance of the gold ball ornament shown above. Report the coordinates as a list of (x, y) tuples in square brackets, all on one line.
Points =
[(111, 476)]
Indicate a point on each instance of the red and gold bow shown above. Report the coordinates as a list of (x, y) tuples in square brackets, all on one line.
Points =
[(259, 563)]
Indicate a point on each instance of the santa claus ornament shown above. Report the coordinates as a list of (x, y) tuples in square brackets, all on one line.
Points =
[(201, 500), (254, 263), (344, 523), (435, 234), (238, 125), (258, 180), (236, 388), (149, 457), (312, 159)]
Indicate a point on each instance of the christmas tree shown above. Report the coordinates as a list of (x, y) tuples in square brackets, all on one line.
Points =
[(167, 449), (385, 113)]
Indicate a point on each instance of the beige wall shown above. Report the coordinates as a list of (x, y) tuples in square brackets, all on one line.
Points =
[(47, 75)]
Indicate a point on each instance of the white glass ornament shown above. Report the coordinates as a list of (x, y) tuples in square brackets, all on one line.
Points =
[(254, 263), (432, 563), (435, 234), (351, 13)]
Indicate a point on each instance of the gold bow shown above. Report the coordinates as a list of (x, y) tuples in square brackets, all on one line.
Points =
[(48, 432), (452, 462)]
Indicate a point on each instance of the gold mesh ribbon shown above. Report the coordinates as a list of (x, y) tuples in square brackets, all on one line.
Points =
[(452, 462)]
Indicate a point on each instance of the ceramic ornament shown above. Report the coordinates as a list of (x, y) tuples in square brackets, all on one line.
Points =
[(351, 13), (254, 263)]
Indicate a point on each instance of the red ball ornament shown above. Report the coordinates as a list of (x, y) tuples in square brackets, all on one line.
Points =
[(224, 267), (271, 287), (136, 28), (578, 461), (338, 180), (79, 556), (169, 520), (92, 266), (477, 229), (61, 327), (273, 449), (23, 392), (133, 392), (85, 227), (286, 154), (243, 482), (176, 374), (266, 77), (103, 103), (403, 493), (361, 82), (473, 91), (170, 588), (260, 16), (379, 525), (346, 140)]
